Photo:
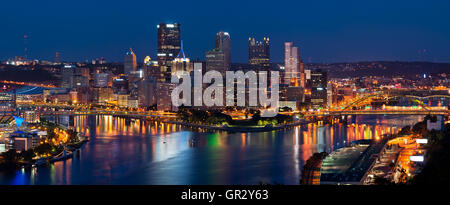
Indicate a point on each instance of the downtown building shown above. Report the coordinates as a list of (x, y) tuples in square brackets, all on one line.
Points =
[(130, 63), (147, 93), (219, 58), (319, 84), (181, 63), (169, 45), (293, 77), (152, 70), (294, 68), (103, 93), (259, 54)]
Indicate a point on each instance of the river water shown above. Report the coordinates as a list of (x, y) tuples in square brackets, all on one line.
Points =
[(138, 152)]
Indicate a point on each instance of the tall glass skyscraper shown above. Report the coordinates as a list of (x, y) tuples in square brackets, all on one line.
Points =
[(291, 64), (130, 62), (169, 44), (223, 43), (219, 58)]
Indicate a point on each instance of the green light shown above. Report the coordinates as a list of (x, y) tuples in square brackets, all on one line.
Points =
[(213, 140)]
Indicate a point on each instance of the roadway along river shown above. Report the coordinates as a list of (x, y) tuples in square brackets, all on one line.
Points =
[(137, 152)]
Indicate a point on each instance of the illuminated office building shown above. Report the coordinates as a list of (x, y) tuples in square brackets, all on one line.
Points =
[(215, 60), (152, 70), (169, 45), (181, 63), (259, 54), (130, 62), (223, 43), (294, 67), (219, 58), (291, 64), (319, 89)]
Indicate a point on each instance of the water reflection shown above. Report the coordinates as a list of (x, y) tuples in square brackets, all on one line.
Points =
[(122, 151)]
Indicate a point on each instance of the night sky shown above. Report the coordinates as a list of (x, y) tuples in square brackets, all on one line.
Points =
[(325, 30)]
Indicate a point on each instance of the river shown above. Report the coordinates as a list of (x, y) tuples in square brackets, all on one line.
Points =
[(139, 152)]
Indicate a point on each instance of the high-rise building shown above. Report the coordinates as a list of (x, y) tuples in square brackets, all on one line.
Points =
[(291, 64), (67, 76), (133, 83), (215, 60), (169, 45), (130, 62), (302, 74), (164, 100), (101, 80), (219, 58), (223, 43), (259, 54), (152, 70), (147, 93), (319, 89), (294, 67)]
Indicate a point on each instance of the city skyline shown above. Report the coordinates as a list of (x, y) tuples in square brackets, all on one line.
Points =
[(343, 32), (224, 101)]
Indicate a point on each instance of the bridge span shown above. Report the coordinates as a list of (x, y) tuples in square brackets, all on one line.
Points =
[(380, 112)]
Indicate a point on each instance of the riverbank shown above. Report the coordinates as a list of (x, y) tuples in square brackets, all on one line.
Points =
[(58, 144), (235, 128)]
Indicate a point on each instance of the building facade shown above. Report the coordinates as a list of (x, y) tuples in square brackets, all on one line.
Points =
[(223, 43), (291, 64), (169, 45), (130, 62), (319, 89), (259, 54)]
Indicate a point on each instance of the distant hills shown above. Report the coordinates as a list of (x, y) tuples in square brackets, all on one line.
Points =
[(382, 68), (335, 70), (370, 68)]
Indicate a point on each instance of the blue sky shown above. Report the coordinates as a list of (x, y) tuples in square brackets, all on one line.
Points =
[(325, 30)]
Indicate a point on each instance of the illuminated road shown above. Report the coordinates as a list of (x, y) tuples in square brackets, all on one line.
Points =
[(116, 113)]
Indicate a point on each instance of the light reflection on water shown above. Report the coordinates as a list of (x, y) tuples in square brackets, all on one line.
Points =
[(139, 152)]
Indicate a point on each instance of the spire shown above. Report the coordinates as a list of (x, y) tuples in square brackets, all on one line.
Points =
[(130, 52), (181, 51)]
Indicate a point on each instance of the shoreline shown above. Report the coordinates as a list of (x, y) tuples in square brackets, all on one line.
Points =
[(45, 161), (240, 128)]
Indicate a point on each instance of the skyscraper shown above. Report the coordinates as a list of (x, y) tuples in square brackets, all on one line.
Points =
[(319, 85), (169, 45), (216, 60), (147, 92), (291, 64), (259, 54), (130, 62), (68, 76), (223, 43), (152, 70), (294, 67), (219, 58)]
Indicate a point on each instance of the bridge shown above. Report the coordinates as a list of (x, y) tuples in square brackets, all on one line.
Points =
[(386, 95), (355, 106), (379, 112)]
